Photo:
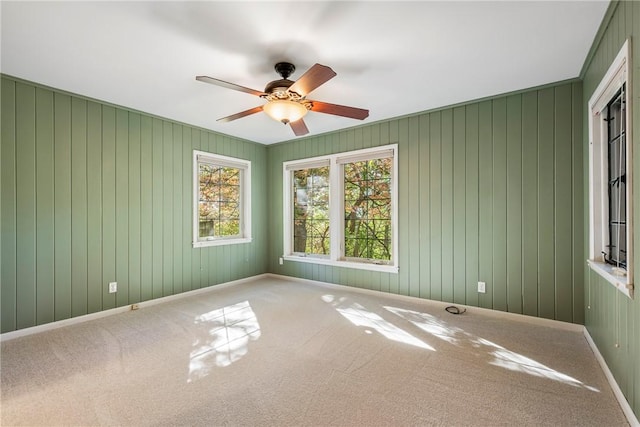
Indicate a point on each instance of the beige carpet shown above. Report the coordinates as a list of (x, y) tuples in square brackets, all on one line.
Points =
[(274, 352)]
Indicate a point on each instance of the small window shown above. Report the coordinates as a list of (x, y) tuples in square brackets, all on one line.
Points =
[(610, 225), (222, 200), (341, 209)]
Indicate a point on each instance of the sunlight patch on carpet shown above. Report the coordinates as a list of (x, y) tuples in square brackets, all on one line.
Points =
[(427, 323), (516, 362), (360, 316), (224, 337)]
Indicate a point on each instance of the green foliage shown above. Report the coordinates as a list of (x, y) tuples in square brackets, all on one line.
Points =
[(219, 201), (367, 202), (367, 186), (311, 211)]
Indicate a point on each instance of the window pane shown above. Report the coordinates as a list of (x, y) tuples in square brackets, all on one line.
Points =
[(219, 201), (367, 203), (617, 244), (311, 211)]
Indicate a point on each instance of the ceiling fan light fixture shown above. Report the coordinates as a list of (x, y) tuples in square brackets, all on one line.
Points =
[(285, 111)]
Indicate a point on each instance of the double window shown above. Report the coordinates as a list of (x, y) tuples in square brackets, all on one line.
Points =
[(610, 195), (341, 209), (222, 213)]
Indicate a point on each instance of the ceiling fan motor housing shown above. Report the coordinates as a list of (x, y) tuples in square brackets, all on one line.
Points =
[(277, 86)]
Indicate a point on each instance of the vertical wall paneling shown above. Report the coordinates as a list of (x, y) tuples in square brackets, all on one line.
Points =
[(158, 212), (62, 234), (187, 202), (499, 116), (514, 204), (530, 204), (413, 208), (459, 178), (45, 204), (546, 195), (577, 204), (134, 209), (8, 191), (405, 168), (166, 173), (176, 229), (435, 206), (77, 219), (94, 207), (122, 207), (563, 211), (472, 229), (390, 135), (485, 203), (25, 205), (146, 208), (425, 230), (447, 204), (108, 205)]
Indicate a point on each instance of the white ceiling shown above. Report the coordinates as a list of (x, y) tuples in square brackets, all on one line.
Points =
[(393, 58)]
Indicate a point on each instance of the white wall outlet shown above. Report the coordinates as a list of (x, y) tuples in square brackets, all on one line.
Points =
[(482, 287), (281, 261), (113, 287)]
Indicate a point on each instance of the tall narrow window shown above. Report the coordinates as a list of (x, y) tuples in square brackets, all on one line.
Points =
[(221, 194), (617, 182), (610, 176), (311, 211)]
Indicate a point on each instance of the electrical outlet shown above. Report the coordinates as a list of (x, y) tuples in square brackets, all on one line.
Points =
[(281, 261), (134, 306), (113, 287), (482, 287)]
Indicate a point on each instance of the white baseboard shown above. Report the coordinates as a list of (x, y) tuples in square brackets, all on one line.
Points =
[(626, 408), (100, 314)]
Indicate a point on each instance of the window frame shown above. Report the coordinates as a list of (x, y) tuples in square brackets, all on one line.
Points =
[(244, 167), (617, 76), (336, 208)]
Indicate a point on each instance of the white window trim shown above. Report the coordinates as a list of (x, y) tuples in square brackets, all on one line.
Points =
[(336, 178), (618, 74), (245, 198)]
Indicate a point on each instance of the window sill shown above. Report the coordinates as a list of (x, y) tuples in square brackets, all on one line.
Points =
[(622, 283), (383, 268), (220, 242)]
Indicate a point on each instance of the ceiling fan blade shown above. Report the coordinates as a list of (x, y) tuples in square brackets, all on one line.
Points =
[(299, 127), (228, 85), (339, 110), (240, 114), (314, 77)]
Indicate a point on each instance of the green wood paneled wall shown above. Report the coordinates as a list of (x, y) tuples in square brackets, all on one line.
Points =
[(93, 193), (488, 191), (611, 317)]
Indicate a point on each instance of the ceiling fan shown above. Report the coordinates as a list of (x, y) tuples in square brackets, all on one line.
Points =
[(287, 100)]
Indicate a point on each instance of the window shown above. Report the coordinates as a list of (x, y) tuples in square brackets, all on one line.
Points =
[(222, 213), (610, 227), (341, 209), (311, 211)]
